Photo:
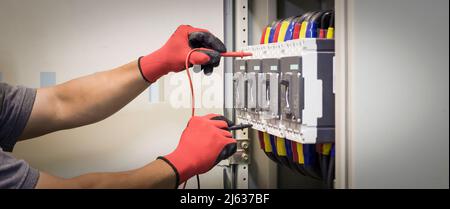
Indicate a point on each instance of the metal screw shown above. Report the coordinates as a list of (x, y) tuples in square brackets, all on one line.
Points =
[(244, 156), (244, 145)]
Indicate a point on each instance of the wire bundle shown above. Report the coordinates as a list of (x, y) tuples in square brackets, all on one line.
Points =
[(313, 160), (316, 24)]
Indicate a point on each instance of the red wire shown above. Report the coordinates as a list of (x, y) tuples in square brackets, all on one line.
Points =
[(190, 81), (192, 91)]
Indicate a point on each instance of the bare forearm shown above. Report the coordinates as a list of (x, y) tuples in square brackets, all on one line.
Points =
[(157, 174), (92, 98), (84, 100)]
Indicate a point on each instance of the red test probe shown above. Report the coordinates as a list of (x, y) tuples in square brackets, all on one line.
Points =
[(236, 54)]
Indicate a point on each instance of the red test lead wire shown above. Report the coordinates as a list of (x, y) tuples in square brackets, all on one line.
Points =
[(190, 81), (192, 100)]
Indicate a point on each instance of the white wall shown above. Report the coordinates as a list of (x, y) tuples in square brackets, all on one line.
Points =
[(398, 93), (79, 37)]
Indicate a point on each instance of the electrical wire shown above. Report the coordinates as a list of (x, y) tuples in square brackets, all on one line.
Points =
[(190, 81), (192, 100)]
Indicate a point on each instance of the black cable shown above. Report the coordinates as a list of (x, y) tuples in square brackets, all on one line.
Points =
[(325, 20), (330, 176), (198, 182)]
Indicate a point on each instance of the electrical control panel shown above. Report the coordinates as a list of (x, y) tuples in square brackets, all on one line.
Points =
[(286, 89)]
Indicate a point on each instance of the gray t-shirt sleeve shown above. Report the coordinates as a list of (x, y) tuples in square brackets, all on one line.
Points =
[(16, 103), (16, 174)]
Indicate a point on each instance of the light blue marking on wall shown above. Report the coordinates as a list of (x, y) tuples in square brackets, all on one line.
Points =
[(48, 79), (1, 76), (153, 92)]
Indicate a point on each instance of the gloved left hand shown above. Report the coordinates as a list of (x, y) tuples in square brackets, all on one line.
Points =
[(203, 144), (171, 57)]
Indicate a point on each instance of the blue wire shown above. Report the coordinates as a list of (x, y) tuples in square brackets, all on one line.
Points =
[(272, 33), (311, 30), (290, 31)]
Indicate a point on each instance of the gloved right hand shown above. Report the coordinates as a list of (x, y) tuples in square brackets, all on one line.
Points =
[(203, 144)]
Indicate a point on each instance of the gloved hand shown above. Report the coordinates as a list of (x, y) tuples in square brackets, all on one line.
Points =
[(172, 56), (203, 144)]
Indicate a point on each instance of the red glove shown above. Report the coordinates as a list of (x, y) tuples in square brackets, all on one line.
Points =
[(172, 56), (203, 144)]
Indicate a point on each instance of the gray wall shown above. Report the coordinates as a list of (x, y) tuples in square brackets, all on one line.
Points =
[(398, 93)]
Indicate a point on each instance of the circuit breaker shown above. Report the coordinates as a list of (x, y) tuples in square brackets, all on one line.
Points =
[(292, 92), (290, 89), (270, 102), (253, 79), (240, 87)]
